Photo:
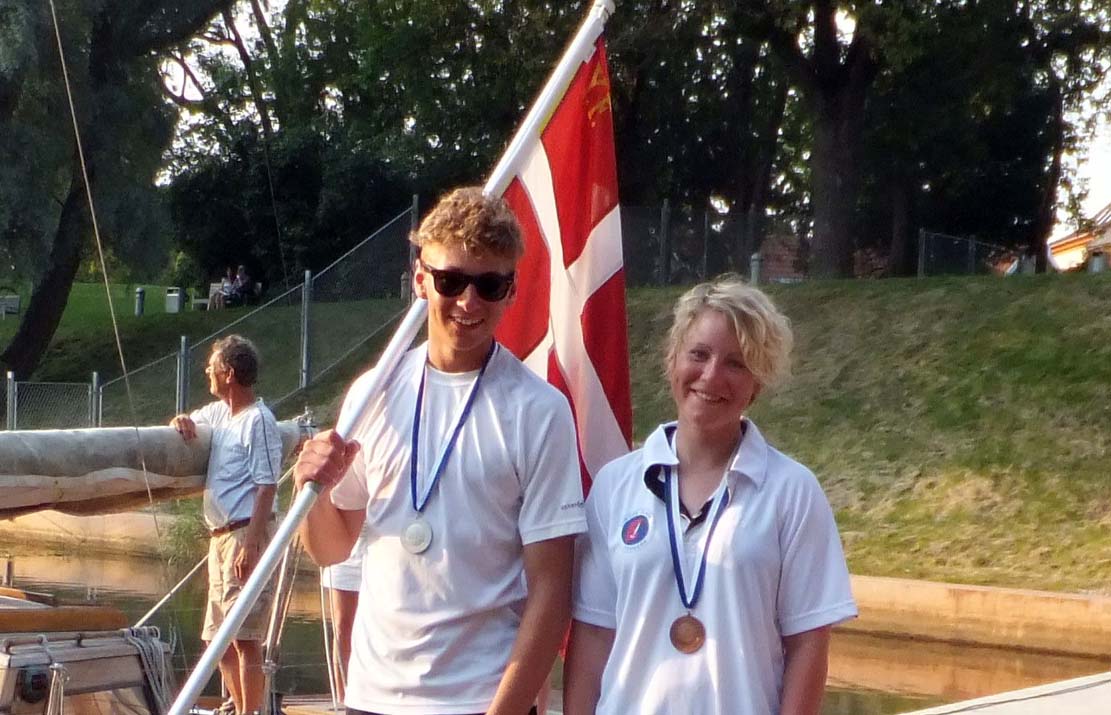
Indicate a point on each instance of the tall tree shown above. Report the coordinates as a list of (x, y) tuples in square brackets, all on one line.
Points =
[(110, 50)]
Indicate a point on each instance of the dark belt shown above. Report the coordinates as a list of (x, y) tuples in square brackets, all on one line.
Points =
[(233, 526)]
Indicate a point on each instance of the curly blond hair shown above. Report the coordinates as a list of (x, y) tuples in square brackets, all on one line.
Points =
[(763, 333), (478, 223)]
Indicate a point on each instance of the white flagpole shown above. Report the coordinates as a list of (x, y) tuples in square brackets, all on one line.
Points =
[(579, 50)]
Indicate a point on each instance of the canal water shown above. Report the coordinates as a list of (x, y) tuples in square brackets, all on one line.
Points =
[(867, 675)]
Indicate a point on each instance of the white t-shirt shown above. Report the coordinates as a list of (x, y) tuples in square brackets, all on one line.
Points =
[(774, 568), (434, 630), (346, 575), (246, 452)]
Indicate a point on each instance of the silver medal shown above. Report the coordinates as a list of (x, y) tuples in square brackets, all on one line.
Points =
[(417, 537)]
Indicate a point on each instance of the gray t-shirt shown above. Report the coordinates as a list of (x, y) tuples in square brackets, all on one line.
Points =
[(246, 452)]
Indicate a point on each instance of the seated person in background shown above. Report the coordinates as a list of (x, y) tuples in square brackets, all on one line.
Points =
[(219, 298), (242, 288)]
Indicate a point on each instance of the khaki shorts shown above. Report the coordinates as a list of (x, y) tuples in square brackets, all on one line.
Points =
[(224, 588)]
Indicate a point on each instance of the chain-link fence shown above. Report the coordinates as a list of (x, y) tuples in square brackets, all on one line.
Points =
[(942, 254), (307, 330), (300, 334), (662, 246), (665, 246), (49, 405), (356, 295), (151, 388)]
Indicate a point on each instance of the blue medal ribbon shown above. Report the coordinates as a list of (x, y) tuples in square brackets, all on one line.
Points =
[(418, 505), (720, 502)]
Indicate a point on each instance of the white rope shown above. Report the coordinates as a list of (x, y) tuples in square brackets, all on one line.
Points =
[(148, 643)]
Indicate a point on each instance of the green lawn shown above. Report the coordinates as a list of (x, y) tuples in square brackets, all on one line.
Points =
[(959, 426)]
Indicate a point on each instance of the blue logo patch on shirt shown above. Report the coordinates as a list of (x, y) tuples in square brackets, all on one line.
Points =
[(635, 530)]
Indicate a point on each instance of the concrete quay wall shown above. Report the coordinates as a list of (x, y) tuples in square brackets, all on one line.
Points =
[(1045, 621)]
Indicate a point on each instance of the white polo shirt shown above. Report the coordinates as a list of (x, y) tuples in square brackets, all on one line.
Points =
[(434, 631), (246, 452), (774, 568)]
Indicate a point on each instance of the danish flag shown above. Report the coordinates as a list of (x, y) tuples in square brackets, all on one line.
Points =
[(568, 320)]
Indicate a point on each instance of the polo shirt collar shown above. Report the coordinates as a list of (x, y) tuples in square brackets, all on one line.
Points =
[(750, 461)]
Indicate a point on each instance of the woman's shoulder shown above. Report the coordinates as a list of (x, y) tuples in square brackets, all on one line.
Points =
[(619, 474), (791, 478)]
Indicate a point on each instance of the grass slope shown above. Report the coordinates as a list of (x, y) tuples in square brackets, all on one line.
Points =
[(959, 426)]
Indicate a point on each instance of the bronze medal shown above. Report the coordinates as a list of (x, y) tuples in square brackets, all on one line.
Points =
[(687, 634)]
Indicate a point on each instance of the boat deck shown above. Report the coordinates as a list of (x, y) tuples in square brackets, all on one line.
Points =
[(322, 705), (1090, 695)]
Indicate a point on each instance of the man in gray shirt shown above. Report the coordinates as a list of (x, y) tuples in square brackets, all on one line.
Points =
[(243, 468)]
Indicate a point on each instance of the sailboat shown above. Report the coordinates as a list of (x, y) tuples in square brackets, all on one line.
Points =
[(86, 660)]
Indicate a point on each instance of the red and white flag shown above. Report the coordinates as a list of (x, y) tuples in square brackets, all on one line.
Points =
[(568, 320)]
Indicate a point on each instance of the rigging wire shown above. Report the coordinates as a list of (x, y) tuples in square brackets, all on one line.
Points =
[(260, 106), (108, 291)]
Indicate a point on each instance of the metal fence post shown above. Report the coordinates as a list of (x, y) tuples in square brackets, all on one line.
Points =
[(11, 400), (665, 248), (306, 300), (97, 400), (183, 375), (921, 253), (971, 257), (754, 265), (92, 400)]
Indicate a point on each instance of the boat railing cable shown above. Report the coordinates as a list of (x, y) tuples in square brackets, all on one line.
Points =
[(279, 610), (327, 618)]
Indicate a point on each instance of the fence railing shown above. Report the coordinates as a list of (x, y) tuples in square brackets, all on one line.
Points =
[(51, 405), (304, 332), (301, 334), (941, 254)]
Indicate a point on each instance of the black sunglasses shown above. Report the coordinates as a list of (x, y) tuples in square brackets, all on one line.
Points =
[(491, 286)]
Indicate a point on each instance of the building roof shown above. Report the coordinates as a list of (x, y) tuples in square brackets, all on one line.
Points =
[(1098, 229)]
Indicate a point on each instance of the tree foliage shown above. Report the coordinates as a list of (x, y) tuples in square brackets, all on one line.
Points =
[(110, 49), (301, 128)]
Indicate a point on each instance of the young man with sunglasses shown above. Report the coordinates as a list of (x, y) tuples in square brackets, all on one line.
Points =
[(466, 475)]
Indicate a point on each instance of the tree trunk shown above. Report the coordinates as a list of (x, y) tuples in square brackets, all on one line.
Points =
[(50, 295), (836, 84), (1046, 212), (900, 261), (835, 179)]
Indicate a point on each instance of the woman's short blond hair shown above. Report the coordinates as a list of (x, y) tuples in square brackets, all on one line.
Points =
[(763, 333), (473, 221)]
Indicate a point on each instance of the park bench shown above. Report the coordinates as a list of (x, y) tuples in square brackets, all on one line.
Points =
[(205, 303), (9, 303)]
